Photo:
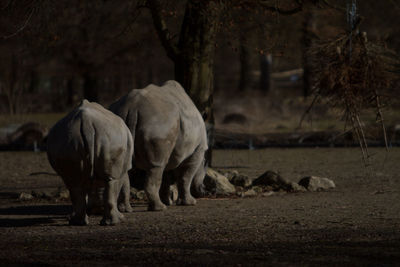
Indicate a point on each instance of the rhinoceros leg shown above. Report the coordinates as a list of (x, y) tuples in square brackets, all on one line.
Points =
[(186, 172), (197, 188), (124, 204), (152, 187), (112, 215), (165, 190), (78, 198), (95, 201)]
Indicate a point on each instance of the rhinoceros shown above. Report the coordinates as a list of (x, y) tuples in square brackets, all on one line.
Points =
[(169, 135), (89, 148)]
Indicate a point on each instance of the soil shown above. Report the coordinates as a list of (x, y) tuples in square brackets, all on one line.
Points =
[(357, 223)]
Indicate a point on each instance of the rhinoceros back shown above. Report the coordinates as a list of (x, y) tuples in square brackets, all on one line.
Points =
[(159, 115), (87, 141)]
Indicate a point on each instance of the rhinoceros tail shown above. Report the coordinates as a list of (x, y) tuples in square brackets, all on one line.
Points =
[(131, 121), (88, 137)]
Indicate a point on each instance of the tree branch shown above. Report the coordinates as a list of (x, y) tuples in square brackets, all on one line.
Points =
[(265, 5), (21, 28), (328, 4), (162, 29)]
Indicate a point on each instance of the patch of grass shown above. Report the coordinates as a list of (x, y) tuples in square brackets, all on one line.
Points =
[(47, 119)]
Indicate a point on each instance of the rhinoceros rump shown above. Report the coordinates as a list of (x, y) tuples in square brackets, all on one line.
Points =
[(169, 135), (92, 147)]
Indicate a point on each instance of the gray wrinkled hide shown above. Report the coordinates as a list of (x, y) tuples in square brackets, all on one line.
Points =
[(169, 136), (91, 148)]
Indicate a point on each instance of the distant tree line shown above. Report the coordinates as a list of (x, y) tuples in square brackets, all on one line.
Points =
[(55, 52)]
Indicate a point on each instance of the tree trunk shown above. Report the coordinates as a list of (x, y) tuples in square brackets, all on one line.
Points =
[(265, 73), (245, 71), (90, 87), (248, 58), (71, 93), (12, 86), (194, 65)]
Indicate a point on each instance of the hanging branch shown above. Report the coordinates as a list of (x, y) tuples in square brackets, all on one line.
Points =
[(355, 85), (23, 26)]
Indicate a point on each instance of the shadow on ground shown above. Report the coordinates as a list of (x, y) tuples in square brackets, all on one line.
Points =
[(54, 211)]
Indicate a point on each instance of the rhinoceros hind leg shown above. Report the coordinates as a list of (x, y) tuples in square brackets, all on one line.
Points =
[(152, 187), (165, 190), (111, 215), (78, 198), (186, 171), (124, 204)]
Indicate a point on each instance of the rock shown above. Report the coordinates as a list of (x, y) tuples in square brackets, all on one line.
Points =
[(295, 187), (25, 196), (45, 194), (30, 135), (258, 189), (218, 184), (174, 192), (63, 194), (241, 180), (314, 183), (231, 174), (273, 179), (138, 194), (268, 194), (249, 193)]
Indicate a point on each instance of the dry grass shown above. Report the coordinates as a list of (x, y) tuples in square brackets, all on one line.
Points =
[(47, 119)]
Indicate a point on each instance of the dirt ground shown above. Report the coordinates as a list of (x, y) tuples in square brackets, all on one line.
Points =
[(357, 223)]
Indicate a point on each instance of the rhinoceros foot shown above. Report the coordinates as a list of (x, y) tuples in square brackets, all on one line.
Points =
[(188, 201), (112, 220), (126, 208), (156, 207), (78, 220)]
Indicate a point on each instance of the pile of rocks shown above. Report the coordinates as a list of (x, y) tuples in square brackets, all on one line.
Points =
[(270, 182), (229, 183), (58, 194)]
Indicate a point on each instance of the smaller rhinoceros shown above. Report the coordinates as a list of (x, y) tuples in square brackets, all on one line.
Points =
[(91, 147)]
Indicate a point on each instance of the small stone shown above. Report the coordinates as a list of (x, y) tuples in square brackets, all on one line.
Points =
[(141, 195), (314, 183), (249, 193), (268, 194), (257, 189), (63, 194), (174, 192), (25, 196), (138, 194)]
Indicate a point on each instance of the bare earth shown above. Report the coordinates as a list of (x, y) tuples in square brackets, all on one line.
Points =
[(358, 223)]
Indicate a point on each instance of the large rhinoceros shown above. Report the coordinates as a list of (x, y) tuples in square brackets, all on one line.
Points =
[(169, 134), (89, 148)]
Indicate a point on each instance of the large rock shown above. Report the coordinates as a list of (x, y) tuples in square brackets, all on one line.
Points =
[(273, 180), (241, 180), (218, 184), (314, 183)]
